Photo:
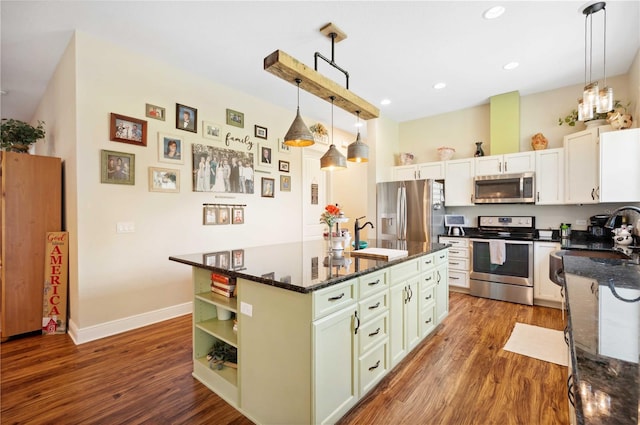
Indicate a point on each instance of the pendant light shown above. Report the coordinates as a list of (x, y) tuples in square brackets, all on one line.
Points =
[(358, 151), (593, 97), (299, 134), (332, 159)]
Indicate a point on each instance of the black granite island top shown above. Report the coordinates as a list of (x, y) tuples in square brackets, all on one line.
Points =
[(603, 302), (298, 266)]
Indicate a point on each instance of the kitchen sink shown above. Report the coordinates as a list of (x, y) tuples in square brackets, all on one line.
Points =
[(556, 273)]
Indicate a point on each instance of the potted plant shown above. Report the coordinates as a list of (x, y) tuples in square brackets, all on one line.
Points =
[(572, 118), (18, 135)]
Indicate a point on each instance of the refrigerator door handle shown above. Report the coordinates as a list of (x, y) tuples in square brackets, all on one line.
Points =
[(402, 213), (398, 212)]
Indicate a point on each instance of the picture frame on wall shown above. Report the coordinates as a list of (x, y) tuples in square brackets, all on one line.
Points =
[(117, 167), (210, 165), (209, 215), (130, 130), (260, 132), (211, 130), (170, 148), (282, 148), (186, 118), (237, 214), (164, 180), (266, 156), (283, 166), (268, 187), (223, 215), (155, 112), (285, 183), (235, 118)]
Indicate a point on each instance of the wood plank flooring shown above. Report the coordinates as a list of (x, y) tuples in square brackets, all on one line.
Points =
[(459, 375)]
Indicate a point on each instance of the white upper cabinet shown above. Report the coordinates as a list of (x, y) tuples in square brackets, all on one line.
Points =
[(620, 166), (425, 170), (519, 162), (550, 177), (458, 182)]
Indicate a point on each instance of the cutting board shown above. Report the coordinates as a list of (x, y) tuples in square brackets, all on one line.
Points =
[(384, 254)]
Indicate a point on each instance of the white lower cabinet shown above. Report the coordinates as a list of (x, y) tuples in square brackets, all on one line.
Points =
[(545, 291), (404, 327), (459, 261), (442, 291)]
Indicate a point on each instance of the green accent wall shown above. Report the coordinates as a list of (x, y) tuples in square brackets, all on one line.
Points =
[(505, 123)]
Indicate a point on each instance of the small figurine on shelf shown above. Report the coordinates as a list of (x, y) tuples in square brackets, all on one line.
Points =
[(479, 151)]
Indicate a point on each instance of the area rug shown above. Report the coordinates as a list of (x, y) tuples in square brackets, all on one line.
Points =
[(539, 343)]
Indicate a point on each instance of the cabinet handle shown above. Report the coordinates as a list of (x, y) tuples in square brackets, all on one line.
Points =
[(499, 167), (406, 295), (373, 307), (454, 278), (593, 190), (410, 293), (570, 395), (428, 262), (357, 322), (439, 277), (451, 263), (505, 166), (454, 252), (428, 321), (598, 192), (374, 283), (336, 298), (375, 367), (538, 196), (375, 333), (428, 297), (427, 279), (566, 335), (442, 257), (593, 287)]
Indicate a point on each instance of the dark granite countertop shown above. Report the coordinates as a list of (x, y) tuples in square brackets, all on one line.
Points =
[(298, 266), (604, 335)]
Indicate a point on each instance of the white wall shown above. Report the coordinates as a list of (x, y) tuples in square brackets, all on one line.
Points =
[(124, 280)]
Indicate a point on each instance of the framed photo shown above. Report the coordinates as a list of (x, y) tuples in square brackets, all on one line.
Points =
[(266, 156), (211, 130), (128, 130), (117, 167), (283, 166), (217, 169), (285, 183), (186, 118), (209, 215), (223, 260), (235, 118), (271, 275), (267, 187), (210, 259), (238, 215), (170, 148), (223, 215), (260, 132), (164, 180), (155, 112), (237, 258), (282, 147)]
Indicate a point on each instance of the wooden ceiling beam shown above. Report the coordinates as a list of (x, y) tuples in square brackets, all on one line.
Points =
[(288, 68)]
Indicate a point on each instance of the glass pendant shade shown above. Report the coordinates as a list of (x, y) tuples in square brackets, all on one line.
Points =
[(333, 160), (590, 95), (299, 134), (585, 112), (605, 100), (358, 151)]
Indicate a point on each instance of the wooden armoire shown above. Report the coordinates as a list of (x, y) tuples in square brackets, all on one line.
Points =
[(31, 207)]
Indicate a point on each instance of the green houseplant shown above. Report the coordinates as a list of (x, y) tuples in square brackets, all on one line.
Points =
[(572, 118), (17, 136)]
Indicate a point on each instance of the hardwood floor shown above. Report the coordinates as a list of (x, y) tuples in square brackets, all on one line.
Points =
[(459, 375)]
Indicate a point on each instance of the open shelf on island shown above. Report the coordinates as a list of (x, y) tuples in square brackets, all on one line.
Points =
[(221, 329), (230, 304)]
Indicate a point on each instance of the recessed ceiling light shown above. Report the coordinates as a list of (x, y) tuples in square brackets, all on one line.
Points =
[(494, 12), (439, 86), (385, 102), (510, 66)]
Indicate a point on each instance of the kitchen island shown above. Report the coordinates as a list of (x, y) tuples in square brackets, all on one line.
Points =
[(602, 297), (315, 331)]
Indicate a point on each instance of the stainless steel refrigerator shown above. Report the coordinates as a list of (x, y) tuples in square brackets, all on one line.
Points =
[(411, 210)]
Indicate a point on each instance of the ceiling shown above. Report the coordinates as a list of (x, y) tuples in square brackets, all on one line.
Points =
[(395, 49)]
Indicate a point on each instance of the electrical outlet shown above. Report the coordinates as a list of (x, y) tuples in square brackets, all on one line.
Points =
[(125, 227), (581, 222), (246, 309)]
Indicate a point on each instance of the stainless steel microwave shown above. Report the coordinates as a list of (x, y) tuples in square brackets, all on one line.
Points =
[(504, 189)]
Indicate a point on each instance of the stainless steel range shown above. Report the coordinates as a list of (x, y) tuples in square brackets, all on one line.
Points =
[(502, 259)]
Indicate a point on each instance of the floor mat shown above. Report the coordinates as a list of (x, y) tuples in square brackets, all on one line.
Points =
[(539, 343)]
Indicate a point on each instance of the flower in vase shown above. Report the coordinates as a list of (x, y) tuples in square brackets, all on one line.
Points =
[(330, 215)]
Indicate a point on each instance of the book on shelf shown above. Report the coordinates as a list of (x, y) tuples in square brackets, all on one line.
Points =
[(226, 287), (228, 294), (217, 277)]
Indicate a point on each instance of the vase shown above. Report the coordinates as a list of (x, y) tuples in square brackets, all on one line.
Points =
[(479, 151), (539, 142)]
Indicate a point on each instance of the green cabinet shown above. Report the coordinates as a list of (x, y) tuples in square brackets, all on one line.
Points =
[(404, 317)]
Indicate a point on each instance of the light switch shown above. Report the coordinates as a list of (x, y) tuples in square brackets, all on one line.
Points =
[(125, 227), (246, 309)]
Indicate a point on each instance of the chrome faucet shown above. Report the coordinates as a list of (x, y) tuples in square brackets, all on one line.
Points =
[(612, 219), (357, 229)]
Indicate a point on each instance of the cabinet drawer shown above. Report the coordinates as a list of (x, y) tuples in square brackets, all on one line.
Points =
[(459, 264), (427, 295), (455, 242), (404, 271), (373, 306), (372, 283), (428, 279), (333, 298), (373, 366), (458, 253), (427, 262), (459, 278), (441, 256), (372, 333), (427, 320)]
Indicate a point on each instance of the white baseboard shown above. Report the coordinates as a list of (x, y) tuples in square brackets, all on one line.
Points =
[(91, 333)]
